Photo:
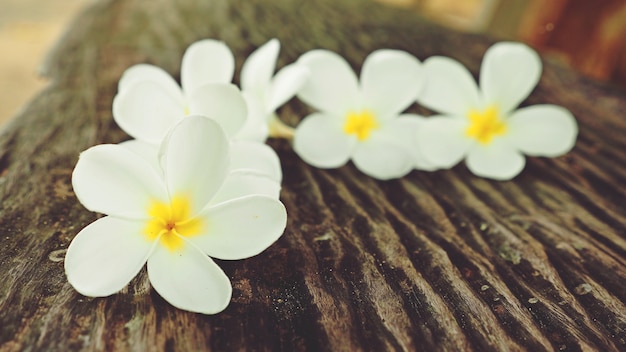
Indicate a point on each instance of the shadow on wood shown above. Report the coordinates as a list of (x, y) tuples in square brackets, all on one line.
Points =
[(432, 261)]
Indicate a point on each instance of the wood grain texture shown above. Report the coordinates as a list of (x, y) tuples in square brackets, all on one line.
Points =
[(432, 261)]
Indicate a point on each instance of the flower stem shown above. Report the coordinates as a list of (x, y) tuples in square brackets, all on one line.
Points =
[(278, 129)]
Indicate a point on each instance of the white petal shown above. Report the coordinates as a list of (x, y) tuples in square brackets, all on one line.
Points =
[(112, 180), (382, 158), (258, 69), (195, 160), (242, 228), (543, 130), (256, 127), (259, 157), (146, 111), (332, 85), (106, 255), (148, 152), (391, 81), (442, 142), (189, 280), (287, 82), (508, 74), (221, 102), (497, 161), (320, 141), (149, 73), (206, 61), (243, 183), (405, 128), (450, 88)]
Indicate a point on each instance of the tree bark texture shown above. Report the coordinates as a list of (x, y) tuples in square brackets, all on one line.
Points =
[(433, 261)]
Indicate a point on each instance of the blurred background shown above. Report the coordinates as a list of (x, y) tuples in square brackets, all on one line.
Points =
[(28, 30), (588, 35)]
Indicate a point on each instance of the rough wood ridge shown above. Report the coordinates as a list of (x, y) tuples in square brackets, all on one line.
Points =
[(433, 261)]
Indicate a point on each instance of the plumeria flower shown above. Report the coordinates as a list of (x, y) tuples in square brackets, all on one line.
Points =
[(267, 92), (150, 102), (174, 219), (362, 121), (483, 126)]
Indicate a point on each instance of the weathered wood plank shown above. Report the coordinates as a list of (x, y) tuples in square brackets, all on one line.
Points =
[(433, 261)]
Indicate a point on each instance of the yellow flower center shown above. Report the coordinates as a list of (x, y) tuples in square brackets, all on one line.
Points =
[(170, 222), (360, 124), (486, 124)]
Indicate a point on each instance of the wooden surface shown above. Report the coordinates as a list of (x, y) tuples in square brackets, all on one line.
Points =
[(433, 261)]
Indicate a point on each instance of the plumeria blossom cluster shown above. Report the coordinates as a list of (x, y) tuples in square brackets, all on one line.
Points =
[(362, 120), (197, 181)]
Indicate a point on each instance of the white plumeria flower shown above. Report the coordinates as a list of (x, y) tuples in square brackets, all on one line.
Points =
[(359, 122), (267, 92), (150, 102), (483, 125), (174, 219)]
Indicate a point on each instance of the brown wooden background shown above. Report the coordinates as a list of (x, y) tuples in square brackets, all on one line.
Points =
[(433, 261)]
